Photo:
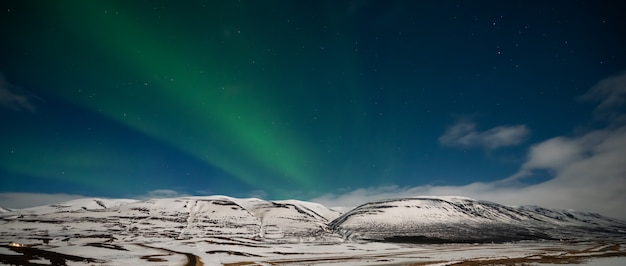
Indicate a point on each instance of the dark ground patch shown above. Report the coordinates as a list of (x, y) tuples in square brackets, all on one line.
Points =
[(234, 253), (29, 253)]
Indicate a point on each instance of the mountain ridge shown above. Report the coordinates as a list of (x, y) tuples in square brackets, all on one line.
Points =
[(460, 219), (424, 219)]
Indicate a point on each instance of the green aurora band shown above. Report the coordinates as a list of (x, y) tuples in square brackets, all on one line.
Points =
[(264, 106), (225, 131)]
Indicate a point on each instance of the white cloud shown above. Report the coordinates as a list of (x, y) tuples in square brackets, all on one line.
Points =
[(161, 193), (12, 98), (464, 134), (259, 194), (588, 176), (589, 170), (610, 92), (16, 200), (554, 153)]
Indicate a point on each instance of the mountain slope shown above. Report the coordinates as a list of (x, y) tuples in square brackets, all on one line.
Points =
[(421, 219), (176, 218), (458, 219)]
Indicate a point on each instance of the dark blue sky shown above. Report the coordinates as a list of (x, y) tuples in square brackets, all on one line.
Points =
[(300, 99)]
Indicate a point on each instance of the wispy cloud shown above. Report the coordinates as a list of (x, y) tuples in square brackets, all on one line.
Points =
[(14, 99), (588, 170), (554, 153), (161, 193), (465, 134), (588, 174), (611, 95)]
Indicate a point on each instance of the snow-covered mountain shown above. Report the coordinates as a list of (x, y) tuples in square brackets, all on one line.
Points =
[(422, 219), (176, 218), (458, 219)]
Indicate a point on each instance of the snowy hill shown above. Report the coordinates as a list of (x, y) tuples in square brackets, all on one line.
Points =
[(422, 219), (458, 219), (176, 218)]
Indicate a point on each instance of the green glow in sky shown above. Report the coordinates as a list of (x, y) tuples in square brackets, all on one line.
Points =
[(287, 99), (231, 127)]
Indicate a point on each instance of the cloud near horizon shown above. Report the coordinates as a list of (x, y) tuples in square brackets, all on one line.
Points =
[(588, 174), (464, 134), (589, 170), (161, 193)]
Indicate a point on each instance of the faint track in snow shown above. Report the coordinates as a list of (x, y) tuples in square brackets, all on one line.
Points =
[(192, 210)]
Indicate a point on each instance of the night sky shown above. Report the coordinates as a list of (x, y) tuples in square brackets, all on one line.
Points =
[(312, 99)]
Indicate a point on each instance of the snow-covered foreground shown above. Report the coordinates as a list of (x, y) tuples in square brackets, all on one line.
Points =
[(234, 251)]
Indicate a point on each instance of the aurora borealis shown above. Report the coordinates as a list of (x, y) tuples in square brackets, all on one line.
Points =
[(292, 99)]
